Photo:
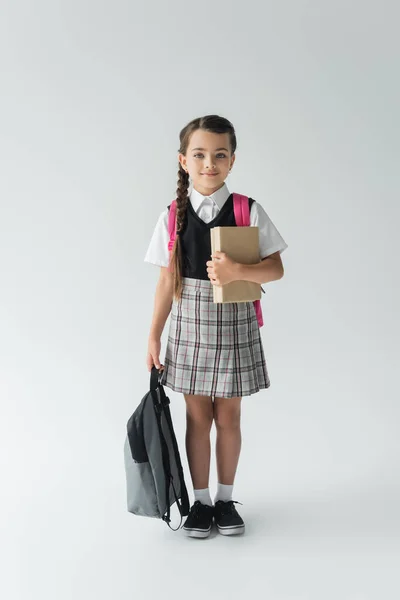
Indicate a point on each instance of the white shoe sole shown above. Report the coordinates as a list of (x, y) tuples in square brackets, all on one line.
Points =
[(197, 533), (231, 530)]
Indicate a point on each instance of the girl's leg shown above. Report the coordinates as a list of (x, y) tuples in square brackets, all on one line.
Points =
[(229, 438), (229, 441), (199, 418)]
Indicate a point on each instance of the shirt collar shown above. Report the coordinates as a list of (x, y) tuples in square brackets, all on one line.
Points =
[(219, 197)]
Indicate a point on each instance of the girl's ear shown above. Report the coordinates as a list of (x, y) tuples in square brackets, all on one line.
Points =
[(233, 160), (182, 160)]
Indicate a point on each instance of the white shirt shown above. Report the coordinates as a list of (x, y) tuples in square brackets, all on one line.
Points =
[(207, 208)]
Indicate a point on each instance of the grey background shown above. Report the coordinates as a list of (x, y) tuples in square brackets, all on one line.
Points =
[(93, 95)]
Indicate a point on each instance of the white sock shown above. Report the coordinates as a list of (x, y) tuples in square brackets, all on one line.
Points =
[(203, 496), (224, 492)]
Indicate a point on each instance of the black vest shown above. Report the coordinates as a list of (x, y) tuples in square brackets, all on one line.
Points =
[(196, 241)]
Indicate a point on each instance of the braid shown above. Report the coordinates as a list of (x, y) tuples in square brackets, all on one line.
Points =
[(181, 207)]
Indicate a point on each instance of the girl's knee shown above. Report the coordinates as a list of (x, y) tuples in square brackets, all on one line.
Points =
[(199, 411), (227, 413)]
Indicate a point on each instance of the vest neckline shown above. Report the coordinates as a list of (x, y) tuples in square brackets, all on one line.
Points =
[(210, 224)]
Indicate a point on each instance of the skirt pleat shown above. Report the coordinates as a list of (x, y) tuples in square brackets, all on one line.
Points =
[(213, 349)]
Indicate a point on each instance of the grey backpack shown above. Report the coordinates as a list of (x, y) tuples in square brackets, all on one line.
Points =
[(153, 468)]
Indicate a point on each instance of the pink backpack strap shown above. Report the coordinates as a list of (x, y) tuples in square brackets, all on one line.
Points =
[(259, 315), (241, 207), (172, 225), (241, 210)]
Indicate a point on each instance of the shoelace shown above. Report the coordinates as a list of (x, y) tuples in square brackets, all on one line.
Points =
[(198, 507), (228, 508)]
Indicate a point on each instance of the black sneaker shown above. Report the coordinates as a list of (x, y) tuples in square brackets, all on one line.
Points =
[(199, 521), (227, 519)]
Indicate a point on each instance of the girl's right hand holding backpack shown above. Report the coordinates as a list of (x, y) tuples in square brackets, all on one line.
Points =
[(153, 354)]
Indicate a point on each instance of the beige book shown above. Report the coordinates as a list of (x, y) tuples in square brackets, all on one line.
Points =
[(242, 245)]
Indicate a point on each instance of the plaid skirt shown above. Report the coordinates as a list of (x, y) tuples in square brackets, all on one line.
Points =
[(213, 349)]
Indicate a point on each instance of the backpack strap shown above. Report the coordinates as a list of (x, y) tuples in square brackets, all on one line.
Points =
[(172, 225), (241, 207), (241, 210), (161, 408)]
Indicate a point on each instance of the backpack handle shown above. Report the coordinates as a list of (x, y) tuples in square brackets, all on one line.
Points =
[(155, 377)]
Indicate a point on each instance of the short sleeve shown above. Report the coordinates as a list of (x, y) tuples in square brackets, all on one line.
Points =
[(157, 251), (270, 239)]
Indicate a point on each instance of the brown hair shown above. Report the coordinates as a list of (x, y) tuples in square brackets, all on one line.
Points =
[(214, 124)]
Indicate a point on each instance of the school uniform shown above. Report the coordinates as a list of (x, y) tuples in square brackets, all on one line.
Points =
[(213, 349)]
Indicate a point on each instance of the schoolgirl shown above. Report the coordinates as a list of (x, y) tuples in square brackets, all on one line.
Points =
[(214, 353)]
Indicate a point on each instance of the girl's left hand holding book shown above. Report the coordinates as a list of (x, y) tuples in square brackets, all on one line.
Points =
[(222, 269)]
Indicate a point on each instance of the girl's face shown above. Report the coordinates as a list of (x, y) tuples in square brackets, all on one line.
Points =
[(208, 153)]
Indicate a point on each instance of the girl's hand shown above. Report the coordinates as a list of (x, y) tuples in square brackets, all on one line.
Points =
[(222, 269), (153, 354)]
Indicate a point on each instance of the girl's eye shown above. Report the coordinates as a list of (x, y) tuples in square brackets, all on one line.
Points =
[(220, 154)]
